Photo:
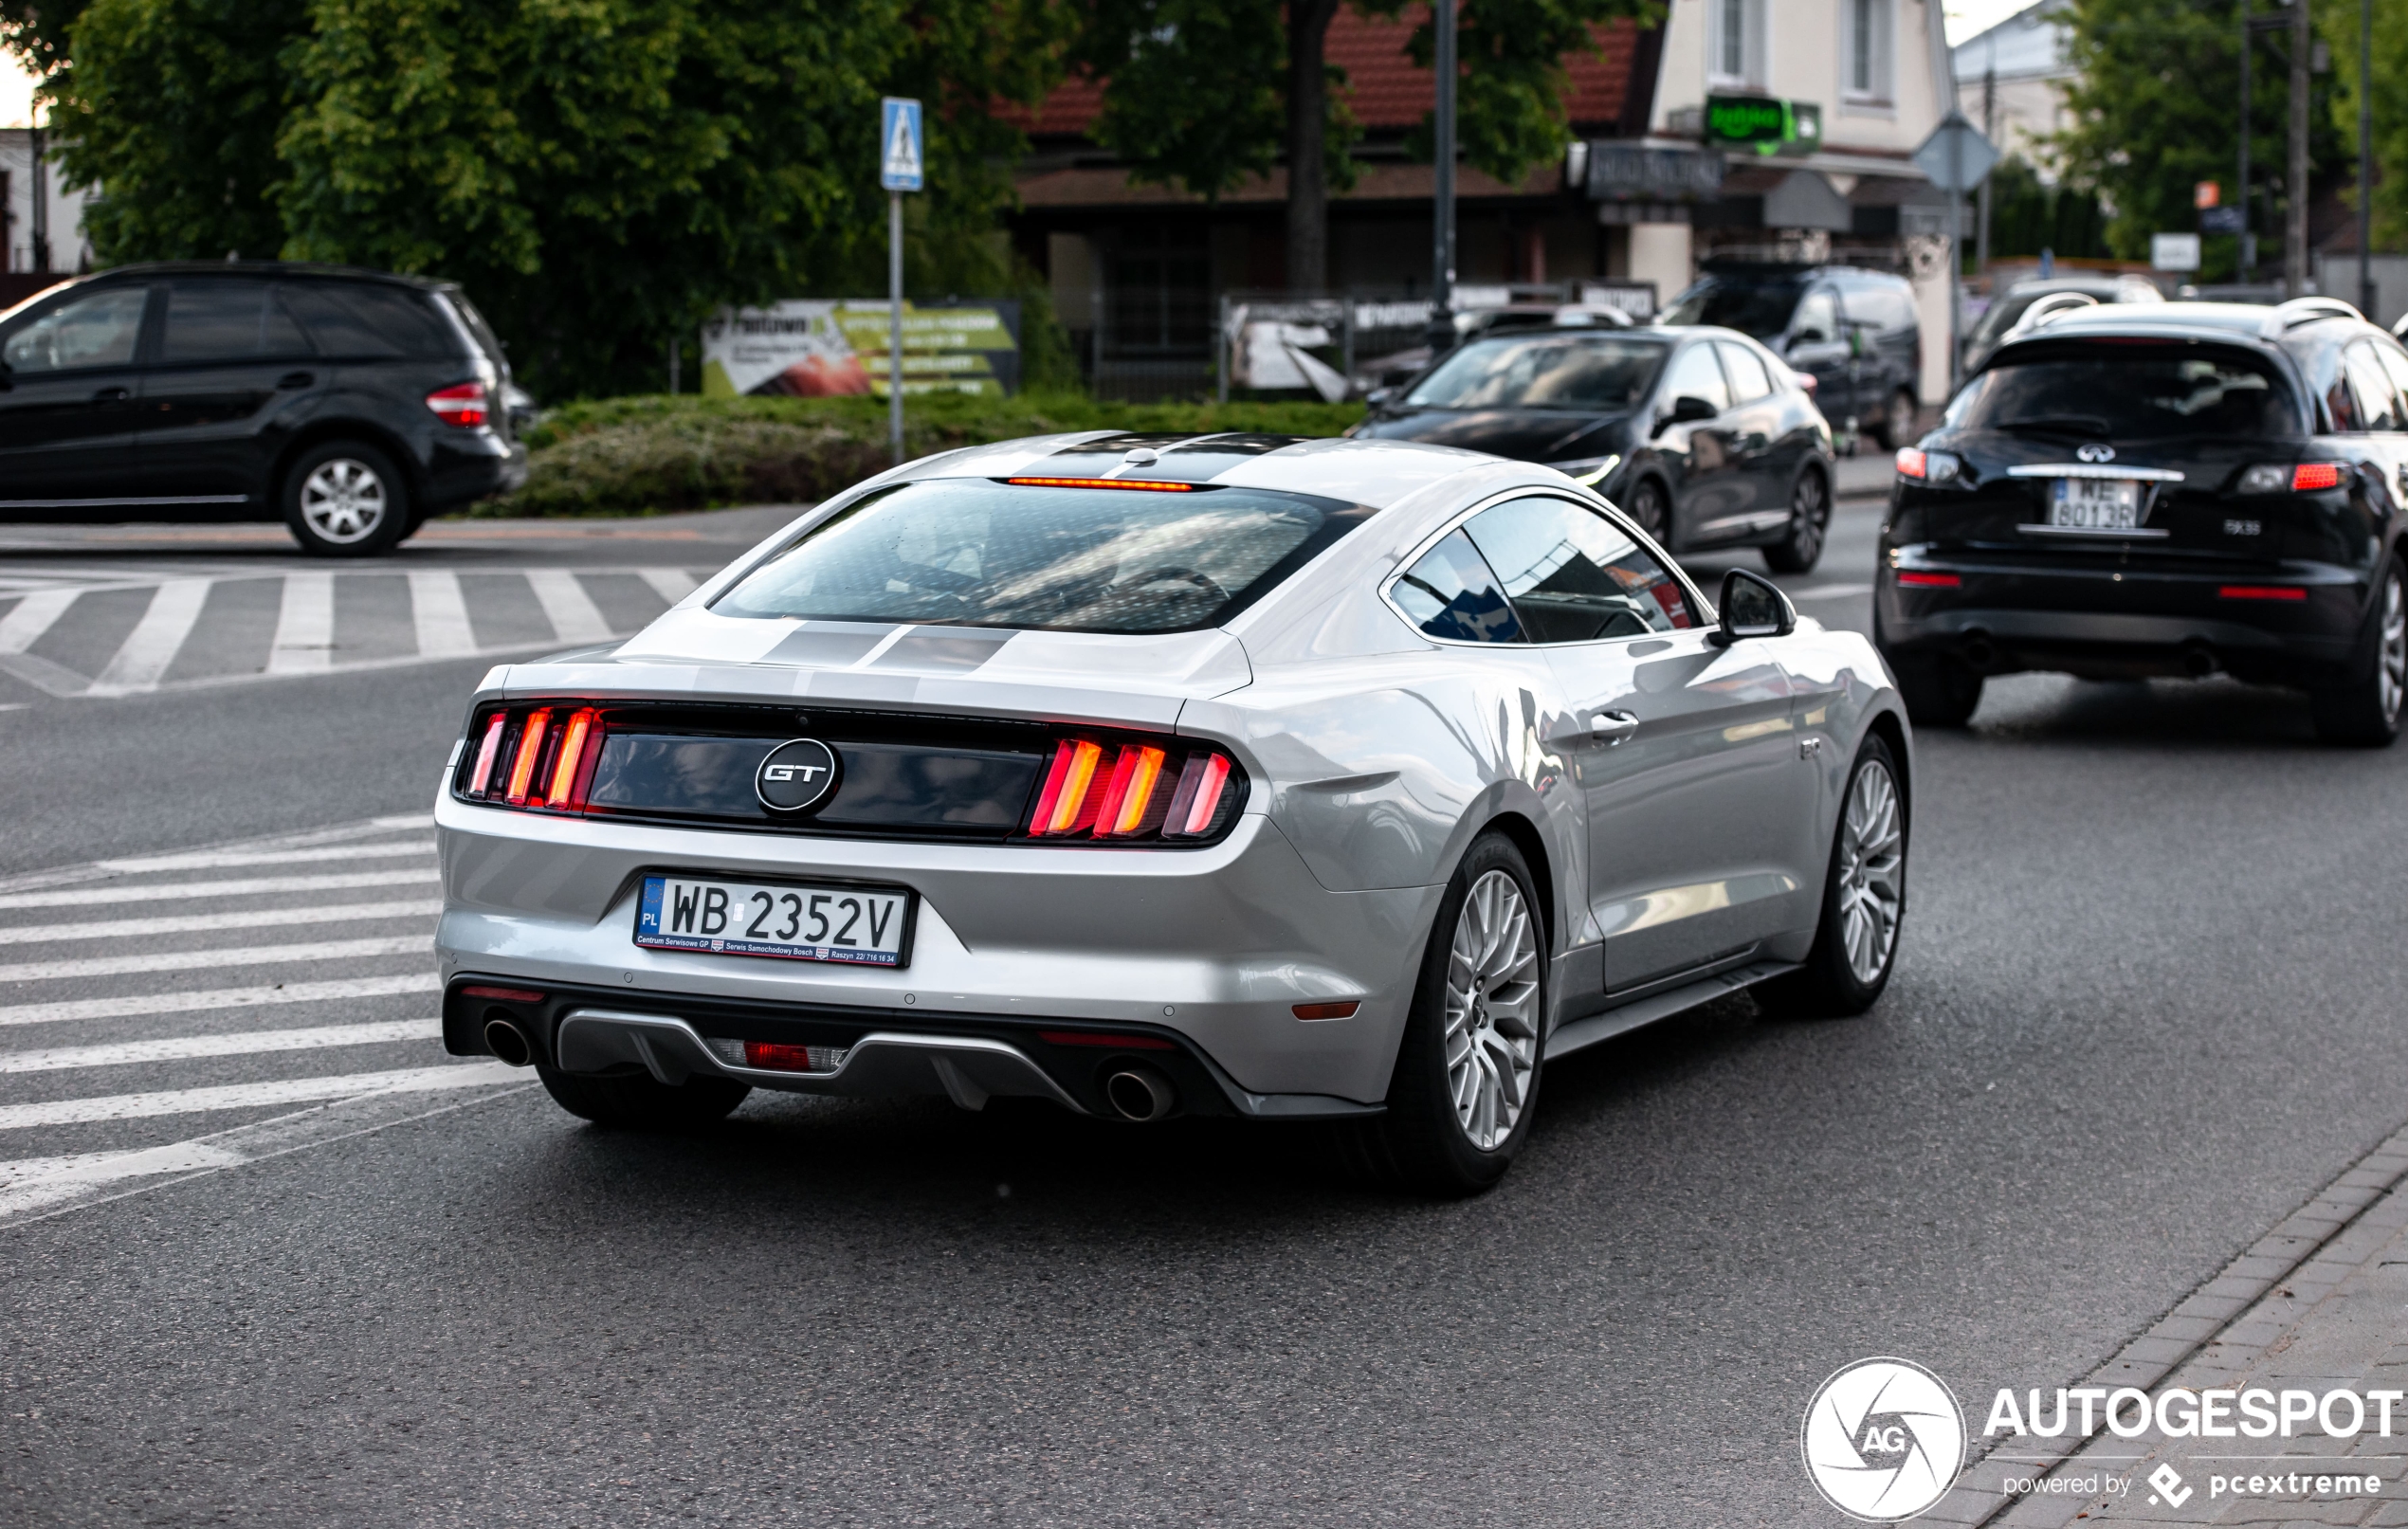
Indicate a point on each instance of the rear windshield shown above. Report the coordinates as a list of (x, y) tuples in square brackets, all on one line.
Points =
[(1757, 307), (979, 552), (2127, 392), (487, 340), (1577, 372)]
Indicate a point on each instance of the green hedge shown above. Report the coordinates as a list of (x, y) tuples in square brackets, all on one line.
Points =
[(653, 454)]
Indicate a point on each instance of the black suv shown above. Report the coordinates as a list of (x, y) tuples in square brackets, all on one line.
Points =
[(351, 403), (2161, 489), (1854, 332)]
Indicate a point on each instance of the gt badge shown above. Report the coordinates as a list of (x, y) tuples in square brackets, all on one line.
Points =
[(796, 776)]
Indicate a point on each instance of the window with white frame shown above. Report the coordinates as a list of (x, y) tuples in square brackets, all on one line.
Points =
[(1735, 45), (1865, 68)]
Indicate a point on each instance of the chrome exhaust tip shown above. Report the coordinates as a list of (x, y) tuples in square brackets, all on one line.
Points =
[(508, 1042), (1140, 1094)]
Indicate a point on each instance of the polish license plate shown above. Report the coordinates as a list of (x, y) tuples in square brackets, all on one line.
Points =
[(859, 926), (2094, 504)]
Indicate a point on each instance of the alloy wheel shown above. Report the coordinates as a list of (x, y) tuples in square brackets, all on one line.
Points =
[(1647, 508), (1492, 1009), (1872, 865), (2391, 667), (343, 500), (1902, 420), (1808, 511)]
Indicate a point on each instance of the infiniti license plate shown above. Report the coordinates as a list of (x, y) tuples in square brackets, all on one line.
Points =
[(2094, 504), (793, 922)]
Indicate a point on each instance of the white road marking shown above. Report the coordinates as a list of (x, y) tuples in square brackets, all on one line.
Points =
[(202, 860), (34, 614), (255, 1095), (109, 966), (304, 626), (31, 1181), (188, 923), (231, 887), (154, 641), (441, 613), (670, 584), (249, 1043), (574, 616), (199, 1000)]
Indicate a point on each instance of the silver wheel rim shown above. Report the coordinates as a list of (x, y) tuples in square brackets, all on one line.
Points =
[(343, 500), (1647, 508), (1492, 1009), (1902, 420), (1873, 864), (2391, 675), (1806, 515)]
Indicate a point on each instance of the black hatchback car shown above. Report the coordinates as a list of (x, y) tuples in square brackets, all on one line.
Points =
[(352, 404), (1699, 434), (2161, 489)]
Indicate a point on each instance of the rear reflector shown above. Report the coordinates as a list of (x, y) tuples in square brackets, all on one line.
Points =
[(1344, 1010), (1131, 1043), (2261, 592), (773, 1057), (508, 996), (1103, 482), (2310, 476), (1930, 581)]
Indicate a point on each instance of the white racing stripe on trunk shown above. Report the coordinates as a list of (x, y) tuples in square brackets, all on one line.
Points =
[(109, 966), (440, 613), (574, 616), (201, 859), (305, 642), (201, 1000), (154, 641), (255, 1095), (231, 887), (250, 1042), (188, 923)]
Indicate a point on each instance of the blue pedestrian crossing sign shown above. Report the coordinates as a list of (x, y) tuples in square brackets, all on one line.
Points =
[(899, 156)]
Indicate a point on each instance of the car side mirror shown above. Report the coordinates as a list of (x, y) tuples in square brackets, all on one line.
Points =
[(1378, 396), (1751, 607), (1808, 336)]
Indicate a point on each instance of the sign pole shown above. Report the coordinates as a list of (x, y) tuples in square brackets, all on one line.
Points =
[(894, 324), (1442, 187)]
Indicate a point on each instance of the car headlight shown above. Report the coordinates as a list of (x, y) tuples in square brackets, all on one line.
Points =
[(1589, 471)]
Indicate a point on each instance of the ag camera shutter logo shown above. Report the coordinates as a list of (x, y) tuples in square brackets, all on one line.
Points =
[(1883, 1440)]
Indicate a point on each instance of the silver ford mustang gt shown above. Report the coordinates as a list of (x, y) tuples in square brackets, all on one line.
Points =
[(1223, 775)]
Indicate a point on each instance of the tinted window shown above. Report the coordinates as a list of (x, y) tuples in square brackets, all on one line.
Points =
[(2127, 392), (489, 342), (1572, 577), (1755, 305), (1451, 592), (1881, 307), (2395, 362), (971, 551), (1586, 372), (1749, 381), (1695, 375), (1819, 316), (227, 321), (97, 330), (368, 321), (2371, 387)]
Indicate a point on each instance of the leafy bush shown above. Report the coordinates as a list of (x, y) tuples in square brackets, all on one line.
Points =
[(657, 453)]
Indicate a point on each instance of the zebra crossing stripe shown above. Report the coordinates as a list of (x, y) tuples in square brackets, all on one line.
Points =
[(305, 642), (154, 641), (34, 615), (574, 616), (250, 1042), (230, 887), (125, 965), (670, 584), (440, 612), (254, 1096), (201, 1000), (199, 859), (194, 923)]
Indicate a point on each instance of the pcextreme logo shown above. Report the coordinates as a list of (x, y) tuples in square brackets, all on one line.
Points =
[(1883, 1440)]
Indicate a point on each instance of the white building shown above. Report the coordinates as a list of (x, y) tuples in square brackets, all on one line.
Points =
[(2008, 79), (63, 224)]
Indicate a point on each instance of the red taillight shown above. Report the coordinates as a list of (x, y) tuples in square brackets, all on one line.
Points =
[(2310, 476), (1344, 1010), (1806, 381), (1133, 1043), (1126, 792), (508, 996), (531, 735), (1123, 811), (2261, 592), (1929, 581), (1060, 804), (1910, 463), (541, 759), (488, 753), (772, 1056), (570, 773), (1148, 485), (1199, 797), (462, 406)]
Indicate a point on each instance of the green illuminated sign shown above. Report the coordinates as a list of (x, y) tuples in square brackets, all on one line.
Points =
[(1766, 123)]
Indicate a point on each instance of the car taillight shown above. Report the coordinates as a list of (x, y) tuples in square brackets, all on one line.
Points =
[(1929, 581), (1132, 791), (2308, 477), (1931, 467), (539, 758), (462, 406), (2261, 592)]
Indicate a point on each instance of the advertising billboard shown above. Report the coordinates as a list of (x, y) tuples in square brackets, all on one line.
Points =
[(825, 347)]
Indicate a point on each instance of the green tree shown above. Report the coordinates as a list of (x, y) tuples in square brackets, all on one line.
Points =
[(1204, 94), (2027, 215), (2336, 21), (2153, 105)]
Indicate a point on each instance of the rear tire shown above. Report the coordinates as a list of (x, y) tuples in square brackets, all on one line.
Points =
[(347, 498), (1467, 1078), (1802, 546), (641, 1103), (1863, 901), (1897, 426), (1939, 691), (2363, 711)]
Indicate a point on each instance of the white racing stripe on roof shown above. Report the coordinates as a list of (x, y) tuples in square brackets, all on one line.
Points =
[(195, 1001), (189, 924), (255, 1095), (248, 1043), (231, 887), (104, 966), (199, 859)]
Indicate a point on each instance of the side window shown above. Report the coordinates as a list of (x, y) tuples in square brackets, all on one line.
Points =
[(1695, 375), (221, 320), (1749, 381), (374, 321), (1818, 320), (1452, 593), (2395, 361), (1575, 577), (2370, 389), (99, 330)]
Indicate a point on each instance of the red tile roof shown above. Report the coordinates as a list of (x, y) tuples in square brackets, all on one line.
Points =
[(1381, 82)]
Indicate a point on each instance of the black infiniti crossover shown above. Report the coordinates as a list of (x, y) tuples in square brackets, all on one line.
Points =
[(2161, 489), (350, 404)]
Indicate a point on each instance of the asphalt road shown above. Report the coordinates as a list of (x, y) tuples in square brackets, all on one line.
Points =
[(2148, 1001)]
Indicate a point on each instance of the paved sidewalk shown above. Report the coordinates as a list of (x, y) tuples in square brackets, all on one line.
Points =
[(2314, 1306)]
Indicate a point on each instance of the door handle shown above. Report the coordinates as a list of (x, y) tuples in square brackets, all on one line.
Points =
[(1612, 727), (112, 396), (297, 379)]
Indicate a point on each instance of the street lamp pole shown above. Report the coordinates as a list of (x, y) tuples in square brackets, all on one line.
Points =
[(1442, 186), (2366, 158)]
